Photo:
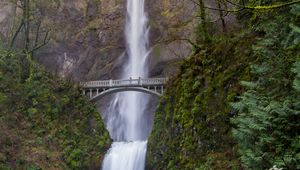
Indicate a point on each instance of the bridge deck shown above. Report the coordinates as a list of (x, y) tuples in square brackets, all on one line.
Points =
[(125, 83)]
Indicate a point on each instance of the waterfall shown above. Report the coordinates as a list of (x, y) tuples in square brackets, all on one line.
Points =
[(126, 123)]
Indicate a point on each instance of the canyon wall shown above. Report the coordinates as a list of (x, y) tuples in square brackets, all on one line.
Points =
[(87, 36)]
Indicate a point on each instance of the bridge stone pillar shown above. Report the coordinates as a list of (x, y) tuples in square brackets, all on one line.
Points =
[(110, 83), (140, 81)]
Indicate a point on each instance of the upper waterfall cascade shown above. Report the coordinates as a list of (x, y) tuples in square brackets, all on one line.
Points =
[(126, 118)]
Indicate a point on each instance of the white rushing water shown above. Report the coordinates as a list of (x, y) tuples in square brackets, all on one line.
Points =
[(126, 155), (126, 122)]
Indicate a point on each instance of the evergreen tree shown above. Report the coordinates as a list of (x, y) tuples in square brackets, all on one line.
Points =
[(267, 127), (296, 70)]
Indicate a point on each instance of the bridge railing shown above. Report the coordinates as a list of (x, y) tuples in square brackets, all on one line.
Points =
[(124, 83)]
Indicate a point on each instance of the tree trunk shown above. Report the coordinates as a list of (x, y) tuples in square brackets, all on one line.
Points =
[(222, 15), (204, 36), (26, 17)]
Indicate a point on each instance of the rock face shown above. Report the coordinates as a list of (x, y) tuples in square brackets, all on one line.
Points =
[(6, 13), (88, 40), (87, 36), (171, 22)]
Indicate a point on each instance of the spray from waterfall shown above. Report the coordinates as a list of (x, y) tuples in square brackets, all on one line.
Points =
[(125, 121)]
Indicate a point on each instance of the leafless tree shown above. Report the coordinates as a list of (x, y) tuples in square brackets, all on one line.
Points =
[(31, 28)]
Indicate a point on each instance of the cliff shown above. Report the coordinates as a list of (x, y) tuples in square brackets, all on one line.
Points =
[(87, 36), (235, 102), (192, 122)]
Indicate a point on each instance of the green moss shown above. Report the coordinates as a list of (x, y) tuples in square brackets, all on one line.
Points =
[(45, 122), (191, 124), (93, 25)]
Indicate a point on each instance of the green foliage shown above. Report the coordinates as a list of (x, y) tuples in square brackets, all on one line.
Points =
[(267, 126), (45, 122), (191, 125), (296, 70), (203, 36)]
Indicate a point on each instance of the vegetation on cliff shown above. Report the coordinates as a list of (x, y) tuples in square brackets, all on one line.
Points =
[(45, 122), (267, 126), (192, 122), (235, 102)]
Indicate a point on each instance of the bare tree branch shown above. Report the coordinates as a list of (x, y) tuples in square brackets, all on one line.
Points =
[(16, 34), (235, 4), (221, 14), (45, 42), (37, 34)]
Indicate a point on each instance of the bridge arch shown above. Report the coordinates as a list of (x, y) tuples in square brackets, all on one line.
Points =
[(123, 89), (95, 90)]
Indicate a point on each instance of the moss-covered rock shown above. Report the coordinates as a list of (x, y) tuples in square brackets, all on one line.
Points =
[(45, 122), (192, 123)]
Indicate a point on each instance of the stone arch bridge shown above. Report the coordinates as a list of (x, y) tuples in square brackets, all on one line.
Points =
[(95, 90)]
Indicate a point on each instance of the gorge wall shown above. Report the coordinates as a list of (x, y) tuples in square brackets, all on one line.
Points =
[(87, 37)]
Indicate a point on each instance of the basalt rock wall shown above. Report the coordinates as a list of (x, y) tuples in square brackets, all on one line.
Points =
[(87, 36)]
